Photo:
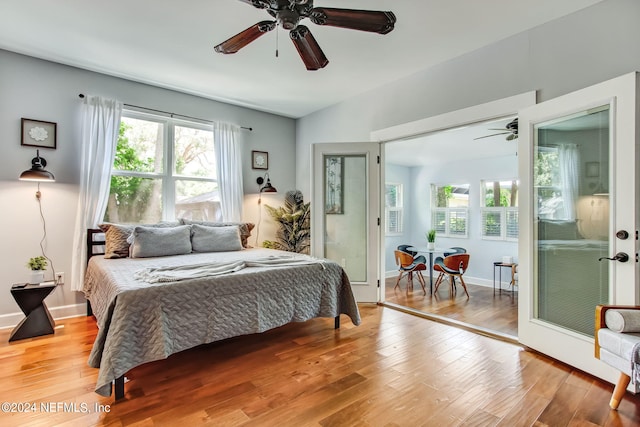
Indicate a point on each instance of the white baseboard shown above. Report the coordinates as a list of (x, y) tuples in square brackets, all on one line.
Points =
[(12, 319), (468, 279)]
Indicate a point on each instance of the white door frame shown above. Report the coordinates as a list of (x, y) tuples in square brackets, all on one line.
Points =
[(621, 94), (368, 290)]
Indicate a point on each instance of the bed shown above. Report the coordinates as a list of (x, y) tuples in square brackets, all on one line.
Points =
[(147, 308)]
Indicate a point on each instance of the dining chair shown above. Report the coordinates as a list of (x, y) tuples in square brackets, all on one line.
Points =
[(438, 263), (453, 266), (408, 264), (404, 248)]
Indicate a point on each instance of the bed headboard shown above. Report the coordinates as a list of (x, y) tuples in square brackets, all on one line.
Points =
[(93, 244)]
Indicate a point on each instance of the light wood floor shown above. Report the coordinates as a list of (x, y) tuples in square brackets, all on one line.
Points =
[(492, 311), (393, 370)]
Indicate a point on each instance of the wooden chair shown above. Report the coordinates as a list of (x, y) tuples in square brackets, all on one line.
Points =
[(408, 265), (617, 334), (453, 266)]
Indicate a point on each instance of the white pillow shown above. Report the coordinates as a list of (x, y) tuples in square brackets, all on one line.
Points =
[(153, 241), (622, 320), (215, 239)]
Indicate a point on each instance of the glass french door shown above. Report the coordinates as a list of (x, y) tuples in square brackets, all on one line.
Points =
[(579, 216), (345, 212)]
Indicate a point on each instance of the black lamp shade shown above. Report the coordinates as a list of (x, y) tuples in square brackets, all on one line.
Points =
[(37, 171), (267, 188)]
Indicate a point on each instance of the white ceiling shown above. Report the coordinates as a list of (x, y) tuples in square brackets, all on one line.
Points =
[(170, 44), (476, 141)]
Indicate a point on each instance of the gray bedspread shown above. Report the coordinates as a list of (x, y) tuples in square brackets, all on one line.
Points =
[(141, 322)]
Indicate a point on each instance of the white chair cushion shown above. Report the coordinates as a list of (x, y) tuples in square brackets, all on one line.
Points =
[(618, 344)]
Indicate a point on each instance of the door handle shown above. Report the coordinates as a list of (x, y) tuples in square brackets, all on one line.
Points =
[(620, 256)]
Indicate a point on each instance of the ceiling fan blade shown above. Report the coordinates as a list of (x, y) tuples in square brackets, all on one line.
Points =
[(308, 48), (245, 37), (494, 134), (363, 20), (260, 4)]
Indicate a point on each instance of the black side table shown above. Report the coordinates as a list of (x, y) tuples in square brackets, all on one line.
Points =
[(500, 265), (38, 320)]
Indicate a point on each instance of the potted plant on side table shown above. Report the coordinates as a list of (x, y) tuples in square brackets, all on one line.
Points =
[(37, 265)]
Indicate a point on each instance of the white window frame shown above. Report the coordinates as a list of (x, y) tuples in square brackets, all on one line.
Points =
[(399, 208), (447, 214), (502, 211), (168, 175)]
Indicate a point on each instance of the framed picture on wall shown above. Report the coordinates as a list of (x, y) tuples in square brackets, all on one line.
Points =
[(259, 160), (36, 133), (593, 169)]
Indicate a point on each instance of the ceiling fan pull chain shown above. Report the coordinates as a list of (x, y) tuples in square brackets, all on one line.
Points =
[(277, 38)]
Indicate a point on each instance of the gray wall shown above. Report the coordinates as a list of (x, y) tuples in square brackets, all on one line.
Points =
[(43, 90), (573, 52)]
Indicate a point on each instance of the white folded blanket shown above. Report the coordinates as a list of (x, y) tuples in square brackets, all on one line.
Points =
[(197, 271)]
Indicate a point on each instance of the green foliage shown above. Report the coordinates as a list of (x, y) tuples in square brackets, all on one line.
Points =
[(505, 198), (431, 235), (294, 218), (443, 195), (128, 191), (37, 263)]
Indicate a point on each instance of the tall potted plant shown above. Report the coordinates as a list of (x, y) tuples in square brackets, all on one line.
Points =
[(37, 265), (295, 224)]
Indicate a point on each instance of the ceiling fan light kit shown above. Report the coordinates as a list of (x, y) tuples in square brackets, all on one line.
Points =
[(289, 13)]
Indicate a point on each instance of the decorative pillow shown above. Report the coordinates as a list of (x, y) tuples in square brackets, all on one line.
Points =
[(215, 239), (622, 320), (117, 237), (245, 228), (161, 241)]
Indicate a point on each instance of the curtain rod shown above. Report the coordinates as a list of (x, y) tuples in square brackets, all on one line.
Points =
[(250, 129)]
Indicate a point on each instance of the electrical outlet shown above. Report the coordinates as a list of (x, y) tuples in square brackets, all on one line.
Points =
[(60, 278)]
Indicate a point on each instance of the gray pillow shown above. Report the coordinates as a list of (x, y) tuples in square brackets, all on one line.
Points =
[(215, 239), (622, 320), (245, 228), (118, 237), (154, 241)]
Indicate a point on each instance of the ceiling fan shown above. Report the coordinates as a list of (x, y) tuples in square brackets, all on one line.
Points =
[(510, 129), (288, 14)]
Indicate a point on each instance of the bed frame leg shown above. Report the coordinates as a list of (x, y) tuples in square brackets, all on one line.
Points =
[(337, 322), (119, 387), (89, 309)]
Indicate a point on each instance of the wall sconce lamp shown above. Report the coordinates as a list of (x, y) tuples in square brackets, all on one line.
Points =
[(267, 188), (40, 174), (37, 171)]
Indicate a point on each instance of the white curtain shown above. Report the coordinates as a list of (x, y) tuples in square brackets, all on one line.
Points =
[(229, 164), (568, 157), (100, 126)]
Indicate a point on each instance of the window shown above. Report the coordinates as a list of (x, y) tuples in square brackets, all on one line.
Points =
[(499, 210), (546, 182), (164, 169), (450, 210), (393, 209)]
